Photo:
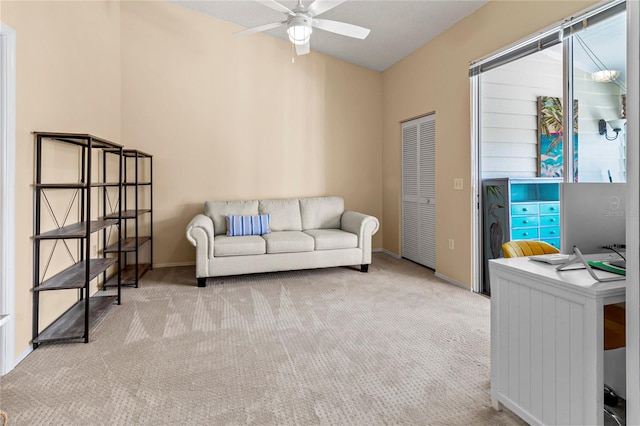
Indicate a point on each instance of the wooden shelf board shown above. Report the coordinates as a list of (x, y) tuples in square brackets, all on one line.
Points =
[(74, 185), (76, 230), (135, 153), (81, 139), (70, 325), (103, 184), (128, 245), (128, 276), (128, 214), (74, 276), (134, 184)]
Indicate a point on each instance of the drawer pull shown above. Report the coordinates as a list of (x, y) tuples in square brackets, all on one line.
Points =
[(524, 209), (552, 232), (525, 234), (552, 220), (525, 221), (552, 208)]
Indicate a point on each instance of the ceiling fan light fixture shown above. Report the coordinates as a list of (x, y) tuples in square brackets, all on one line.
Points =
[(299, 30), (605, 76)]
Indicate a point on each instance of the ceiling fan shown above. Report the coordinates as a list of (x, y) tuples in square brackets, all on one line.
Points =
[(301, 20)]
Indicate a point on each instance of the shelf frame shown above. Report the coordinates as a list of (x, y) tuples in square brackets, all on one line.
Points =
[(133, 273), (80, 317)]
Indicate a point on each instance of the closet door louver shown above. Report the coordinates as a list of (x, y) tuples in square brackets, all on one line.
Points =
[(418, 191), (410, 224)]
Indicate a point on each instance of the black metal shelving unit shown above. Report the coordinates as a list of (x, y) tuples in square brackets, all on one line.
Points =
[(137, 207), (76, 322)]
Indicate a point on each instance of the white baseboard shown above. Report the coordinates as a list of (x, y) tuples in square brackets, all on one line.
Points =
[(387, 252), (23, 355), (172, 264), (452, 281)]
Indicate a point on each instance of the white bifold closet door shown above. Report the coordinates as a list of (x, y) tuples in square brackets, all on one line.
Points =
[(419, 190)]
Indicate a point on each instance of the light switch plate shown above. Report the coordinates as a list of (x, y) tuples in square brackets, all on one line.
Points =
[(457, 183)]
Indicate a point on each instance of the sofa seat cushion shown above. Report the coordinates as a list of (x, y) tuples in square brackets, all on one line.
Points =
[(331, 239), (288, 242), (238, 246)]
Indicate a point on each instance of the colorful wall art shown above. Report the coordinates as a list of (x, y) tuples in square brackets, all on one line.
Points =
[(550, 133)]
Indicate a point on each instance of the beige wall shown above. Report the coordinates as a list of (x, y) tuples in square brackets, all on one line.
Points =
[(224, 117), (435, 78), (68, 79), (231, 117)]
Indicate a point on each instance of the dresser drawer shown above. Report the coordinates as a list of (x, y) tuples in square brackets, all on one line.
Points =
[(524, 208), (524, 234), (550, 232), (550, 220), (549, 208), (524, 221), (553, 241)]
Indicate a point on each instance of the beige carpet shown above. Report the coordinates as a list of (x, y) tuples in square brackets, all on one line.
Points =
[(330, 347)]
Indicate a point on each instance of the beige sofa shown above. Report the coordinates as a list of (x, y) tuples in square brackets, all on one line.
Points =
[(305, 233)]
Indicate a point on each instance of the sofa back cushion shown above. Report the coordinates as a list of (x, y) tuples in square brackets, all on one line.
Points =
[(321, 212), (218, 211), (285, 214)]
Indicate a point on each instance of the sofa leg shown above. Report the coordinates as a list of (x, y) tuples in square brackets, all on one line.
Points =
[(364, 268), (202, 282)]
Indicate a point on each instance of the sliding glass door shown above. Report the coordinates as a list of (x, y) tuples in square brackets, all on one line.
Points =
[(549, 109)]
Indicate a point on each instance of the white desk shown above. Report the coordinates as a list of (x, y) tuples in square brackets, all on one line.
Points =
[(547, 341)]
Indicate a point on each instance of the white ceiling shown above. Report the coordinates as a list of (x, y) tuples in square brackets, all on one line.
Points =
[(398, 27)]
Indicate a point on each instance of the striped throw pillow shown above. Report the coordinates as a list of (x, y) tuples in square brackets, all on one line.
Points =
[(248, 225)]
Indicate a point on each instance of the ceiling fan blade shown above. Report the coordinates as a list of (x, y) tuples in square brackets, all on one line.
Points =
[(321, 6), (341, 28), (303, 49), (260, 28), (273, 4)]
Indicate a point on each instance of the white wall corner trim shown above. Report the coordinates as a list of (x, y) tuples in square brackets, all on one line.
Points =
[(7, 195)]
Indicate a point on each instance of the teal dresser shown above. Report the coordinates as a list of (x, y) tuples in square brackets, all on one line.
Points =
[(519, 209)]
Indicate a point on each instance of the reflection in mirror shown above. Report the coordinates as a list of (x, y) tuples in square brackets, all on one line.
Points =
[(599, 77)]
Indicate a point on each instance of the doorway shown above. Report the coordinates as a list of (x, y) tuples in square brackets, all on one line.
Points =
[(522, 98)]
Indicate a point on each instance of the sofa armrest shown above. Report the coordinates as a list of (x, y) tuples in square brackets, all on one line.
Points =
[(364, 226), (200, 234)]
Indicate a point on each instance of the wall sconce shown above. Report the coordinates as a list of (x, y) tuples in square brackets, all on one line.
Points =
[(616, 125)]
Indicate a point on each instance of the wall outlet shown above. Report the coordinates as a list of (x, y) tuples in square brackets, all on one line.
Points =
[(451, 243), (457, 183)]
